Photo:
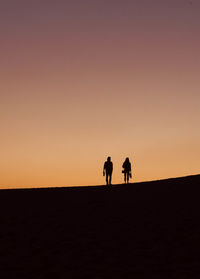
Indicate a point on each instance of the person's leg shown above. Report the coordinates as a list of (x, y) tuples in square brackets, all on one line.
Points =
[(110, 178), (127, 175), (124, 177), (107, 178)]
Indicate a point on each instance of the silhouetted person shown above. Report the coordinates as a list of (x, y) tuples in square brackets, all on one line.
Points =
[(108, 169), (127, 170)]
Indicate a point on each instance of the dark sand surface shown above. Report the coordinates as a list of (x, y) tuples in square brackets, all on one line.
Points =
[(143, 230)]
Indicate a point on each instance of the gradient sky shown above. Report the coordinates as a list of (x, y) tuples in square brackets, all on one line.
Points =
[(83, 80)]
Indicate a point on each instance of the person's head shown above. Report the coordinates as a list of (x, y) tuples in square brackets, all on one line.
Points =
[(109, 159), (127, 159)]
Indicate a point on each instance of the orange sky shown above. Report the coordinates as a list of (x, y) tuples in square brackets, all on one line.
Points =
[(83, 82)]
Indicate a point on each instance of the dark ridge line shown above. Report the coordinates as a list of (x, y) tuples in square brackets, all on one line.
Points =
[(121, 185)]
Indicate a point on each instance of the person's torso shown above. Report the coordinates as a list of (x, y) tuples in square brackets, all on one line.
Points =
[(127, 166), (108, 166)]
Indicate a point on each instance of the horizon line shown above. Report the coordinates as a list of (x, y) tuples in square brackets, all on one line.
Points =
[(99, 185)]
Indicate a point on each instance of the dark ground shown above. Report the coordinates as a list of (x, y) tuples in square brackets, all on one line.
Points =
[(144, 230)]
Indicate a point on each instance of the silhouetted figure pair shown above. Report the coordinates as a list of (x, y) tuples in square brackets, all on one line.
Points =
[(107, 170), (126, 170)]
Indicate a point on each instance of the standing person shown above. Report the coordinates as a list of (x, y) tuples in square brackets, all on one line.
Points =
[(127, 170), (108, 169)]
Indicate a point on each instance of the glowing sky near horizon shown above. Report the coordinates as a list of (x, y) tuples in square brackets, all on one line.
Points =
[(83, 80)]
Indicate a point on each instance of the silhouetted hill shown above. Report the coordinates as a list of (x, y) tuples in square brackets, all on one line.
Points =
[(141, 230)]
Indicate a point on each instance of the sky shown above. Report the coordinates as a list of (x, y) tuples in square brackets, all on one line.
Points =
[(84, 80)]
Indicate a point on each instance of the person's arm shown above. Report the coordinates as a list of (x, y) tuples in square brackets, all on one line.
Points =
[(104, 167), (130, 173)]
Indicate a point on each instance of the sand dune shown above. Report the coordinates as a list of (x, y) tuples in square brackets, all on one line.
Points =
[(142, 230)]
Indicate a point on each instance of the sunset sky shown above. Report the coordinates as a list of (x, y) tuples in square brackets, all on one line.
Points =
[(81, 80)]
